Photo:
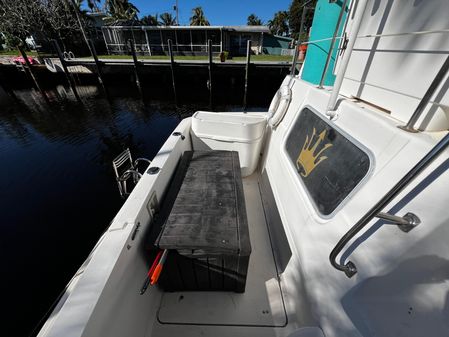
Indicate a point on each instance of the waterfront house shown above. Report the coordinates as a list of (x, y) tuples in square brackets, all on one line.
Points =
[(186, 40)]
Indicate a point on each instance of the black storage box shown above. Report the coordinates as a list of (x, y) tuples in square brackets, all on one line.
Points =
[(206, 230)]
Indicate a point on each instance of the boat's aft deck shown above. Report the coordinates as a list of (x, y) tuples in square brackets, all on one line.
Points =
[(260, 306)]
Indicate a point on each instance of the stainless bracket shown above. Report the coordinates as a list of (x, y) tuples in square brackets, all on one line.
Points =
[(405, 223)]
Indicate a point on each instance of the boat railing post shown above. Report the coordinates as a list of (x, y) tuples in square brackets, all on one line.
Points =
[(68, 76), (136, 65), (248, 60), (332, 45), (210, 65), (172, 67), (294, 61), (426, 98), (330, 111)]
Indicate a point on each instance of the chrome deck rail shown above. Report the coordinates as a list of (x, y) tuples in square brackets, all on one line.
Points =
[(131, 170), (439, 77), (350, 268), (331, 47)]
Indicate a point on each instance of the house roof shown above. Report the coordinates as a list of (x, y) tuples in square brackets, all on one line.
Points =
[(244, 29)]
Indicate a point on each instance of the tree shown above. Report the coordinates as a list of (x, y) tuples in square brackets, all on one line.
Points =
[(92, 4), (149, 20), (19, 19), (198, 18), (49, 19), (2, 41), (279, 24), (296, 13), (120, 12), (253, 20), (167, 19), (60, 19)]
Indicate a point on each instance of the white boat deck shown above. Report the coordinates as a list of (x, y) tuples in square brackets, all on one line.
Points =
[(191, 313)]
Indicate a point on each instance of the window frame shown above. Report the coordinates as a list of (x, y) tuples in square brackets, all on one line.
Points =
[(354, 141)]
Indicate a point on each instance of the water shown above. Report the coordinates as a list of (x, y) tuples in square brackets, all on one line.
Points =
[(57, 187)]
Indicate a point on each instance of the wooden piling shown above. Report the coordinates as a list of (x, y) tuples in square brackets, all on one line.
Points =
[(248, 60), (136, 65), (209, 50), (97, 65), (68, 76), (172, 67), (29, 71)]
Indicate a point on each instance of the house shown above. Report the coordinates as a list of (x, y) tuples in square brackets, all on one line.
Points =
[(186, 40), (278, 45)]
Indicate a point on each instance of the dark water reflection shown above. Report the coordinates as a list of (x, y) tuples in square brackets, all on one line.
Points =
[(57, 188)]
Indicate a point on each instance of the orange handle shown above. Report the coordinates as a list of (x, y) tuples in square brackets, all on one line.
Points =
[(156, 274)]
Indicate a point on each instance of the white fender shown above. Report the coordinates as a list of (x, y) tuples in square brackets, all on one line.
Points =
[(279, 105)]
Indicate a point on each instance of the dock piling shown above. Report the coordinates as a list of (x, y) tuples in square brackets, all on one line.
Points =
[(68, 76), (209, 50), (29, 71), (248, 60), (97, 64), (136, 65), (172, 67)]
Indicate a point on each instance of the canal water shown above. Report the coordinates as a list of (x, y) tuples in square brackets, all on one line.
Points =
[(57, 188)]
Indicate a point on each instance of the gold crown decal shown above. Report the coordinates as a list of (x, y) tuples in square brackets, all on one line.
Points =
[(307, 158)]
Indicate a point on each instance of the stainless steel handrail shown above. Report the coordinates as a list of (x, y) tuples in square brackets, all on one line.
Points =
[(421, 32), (349, 268), (142, 159), (426, 98), (331, 47), (294, 61), (319, 40), (355, 27)]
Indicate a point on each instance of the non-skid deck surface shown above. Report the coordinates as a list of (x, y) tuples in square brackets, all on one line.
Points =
[(260, 305)]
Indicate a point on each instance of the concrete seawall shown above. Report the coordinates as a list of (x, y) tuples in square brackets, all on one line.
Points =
[(191, 78)]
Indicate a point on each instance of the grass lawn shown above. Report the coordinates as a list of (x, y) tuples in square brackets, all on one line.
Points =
[(264, 58), (16, 53), (163, 57)]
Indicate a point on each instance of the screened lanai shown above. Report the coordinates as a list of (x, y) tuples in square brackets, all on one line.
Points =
[(186, 40)]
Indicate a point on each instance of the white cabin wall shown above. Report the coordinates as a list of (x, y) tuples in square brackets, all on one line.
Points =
[(381, 254), (395, 72)]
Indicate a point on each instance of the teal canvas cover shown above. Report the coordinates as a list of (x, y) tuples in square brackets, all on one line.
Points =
[(323, 27)]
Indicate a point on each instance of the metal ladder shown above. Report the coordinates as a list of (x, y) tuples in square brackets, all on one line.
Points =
[(125, 168)]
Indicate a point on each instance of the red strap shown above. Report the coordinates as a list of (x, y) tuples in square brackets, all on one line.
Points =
[(153, 266)]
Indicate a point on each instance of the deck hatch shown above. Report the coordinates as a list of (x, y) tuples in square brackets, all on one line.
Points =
[(329, 164)]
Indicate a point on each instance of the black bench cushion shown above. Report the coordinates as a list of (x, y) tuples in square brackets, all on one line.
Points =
[(208, 216)]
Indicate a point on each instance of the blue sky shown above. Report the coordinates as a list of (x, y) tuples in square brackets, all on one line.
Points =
[(230, 12)]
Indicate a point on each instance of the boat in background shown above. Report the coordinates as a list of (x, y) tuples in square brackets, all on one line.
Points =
[(344, 181)]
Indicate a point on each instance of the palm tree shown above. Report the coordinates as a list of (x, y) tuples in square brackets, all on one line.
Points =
[(92, 4), (279, 24), (198, 18), (167, 19), (253, 20), (149, 20), (120, 11)]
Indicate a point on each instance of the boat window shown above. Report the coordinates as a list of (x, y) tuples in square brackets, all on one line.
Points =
[(328, 163)]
